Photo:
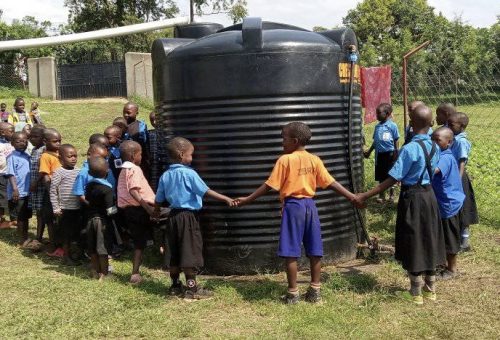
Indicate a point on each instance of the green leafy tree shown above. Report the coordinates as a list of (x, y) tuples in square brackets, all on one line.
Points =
[(235, 9)]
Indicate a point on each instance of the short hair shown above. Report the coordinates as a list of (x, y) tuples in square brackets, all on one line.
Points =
[(39, 128), (47, 133), (98, 167), (19, 134), (115, 128), (63, 148), (120, 120), (445, 131), (17, 100), (94, 138), (134, 105), (5, 125), (128, 148), (176, 146), (414, 104), (3, 105), (447, 108), (300, 131), (463, 119), (385, 108), (96, 147)]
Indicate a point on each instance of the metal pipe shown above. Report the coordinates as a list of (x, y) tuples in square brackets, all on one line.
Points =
[(405, 80), (84, 36), (353, 58)]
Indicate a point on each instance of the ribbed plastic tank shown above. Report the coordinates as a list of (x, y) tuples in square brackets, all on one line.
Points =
[(230, 93)]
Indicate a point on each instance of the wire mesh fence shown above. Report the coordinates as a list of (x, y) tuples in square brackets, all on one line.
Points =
[(13, 76), (474, 90)]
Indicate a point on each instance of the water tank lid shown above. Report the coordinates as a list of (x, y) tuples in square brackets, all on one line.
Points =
[(253, 36)]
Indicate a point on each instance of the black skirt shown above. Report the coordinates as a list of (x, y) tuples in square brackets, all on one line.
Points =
[(451, 231), (184, 239), (383, 165), (469, 209), (419, 235)]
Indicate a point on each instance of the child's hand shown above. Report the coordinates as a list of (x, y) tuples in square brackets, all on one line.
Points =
[(395, 155), (359, 201), (366, 154), (240, 201), (15, 195), (230, 202)]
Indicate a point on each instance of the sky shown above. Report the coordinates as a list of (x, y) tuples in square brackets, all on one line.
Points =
[(302, 13)]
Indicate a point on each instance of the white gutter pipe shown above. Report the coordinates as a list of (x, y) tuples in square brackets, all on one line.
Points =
[(100, 34)]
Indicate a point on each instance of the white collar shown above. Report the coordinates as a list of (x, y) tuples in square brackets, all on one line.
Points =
[(127, 165)]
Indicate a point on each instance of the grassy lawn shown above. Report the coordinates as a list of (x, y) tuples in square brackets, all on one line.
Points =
[(42, 299)]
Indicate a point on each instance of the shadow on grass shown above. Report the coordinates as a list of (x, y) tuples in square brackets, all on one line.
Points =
[(382, 217)]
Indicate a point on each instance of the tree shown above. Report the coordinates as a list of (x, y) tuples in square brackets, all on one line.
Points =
[(235, 9), (28, 27)]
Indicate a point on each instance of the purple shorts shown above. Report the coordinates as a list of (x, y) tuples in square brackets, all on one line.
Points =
[(300, 225)]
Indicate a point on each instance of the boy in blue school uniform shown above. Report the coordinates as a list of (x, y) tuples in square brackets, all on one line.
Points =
[(184, 190), (447, 186), (461, 149), (409, 134), (443, 113), (419, 237), (114, 134), (137, 131), (18, 188), (385, 143)]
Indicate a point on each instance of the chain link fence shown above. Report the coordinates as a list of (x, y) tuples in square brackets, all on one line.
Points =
[(474, 91), (13, 77)]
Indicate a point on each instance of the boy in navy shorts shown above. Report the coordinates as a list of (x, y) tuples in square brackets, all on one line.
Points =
[(447, 186), (296, 176), (419, 237), (183, 188), (385, 143)]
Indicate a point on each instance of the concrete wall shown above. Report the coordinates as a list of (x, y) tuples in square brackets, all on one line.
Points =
[(139, 70), (42, 74)]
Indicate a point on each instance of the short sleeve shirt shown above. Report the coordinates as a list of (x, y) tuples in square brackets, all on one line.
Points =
[(411, 164), (182, 187), (131, 177), (385, 135), (84, 178), (49, 162), (461, 147), (447, 185), (298, 175), (18, 165)]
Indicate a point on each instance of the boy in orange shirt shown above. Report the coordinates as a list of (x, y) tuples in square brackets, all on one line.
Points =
[(49, 163), (296, 176)]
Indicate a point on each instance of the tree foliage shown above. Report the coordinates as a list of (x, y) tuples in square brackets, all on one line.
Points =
[(235, 9)]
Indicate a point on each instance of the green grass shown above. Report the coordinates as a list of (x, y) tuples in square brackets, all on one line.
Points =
[(41, 299)]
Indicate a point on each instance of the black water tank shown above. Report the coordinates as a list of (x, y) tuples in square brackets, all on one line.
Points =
[(230, 93), (196, 30)]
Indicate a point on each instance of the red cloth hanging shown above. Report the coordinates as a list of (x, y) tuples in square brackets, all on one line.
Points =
[(375, 89)]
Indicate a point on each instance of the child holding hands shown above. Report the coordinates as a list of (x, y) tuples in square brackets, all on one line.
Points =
[(296, 176), (184, 190), (419, 237), (136, 198)]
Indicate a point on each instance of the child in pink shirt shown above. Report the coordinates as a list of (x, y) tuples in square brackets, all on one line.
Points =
[(136, 198)]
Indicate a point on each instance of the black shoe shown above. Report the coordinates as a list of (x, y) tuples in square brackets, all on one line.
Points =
[(199, 294), (176, 290), (313, 295), (291, 299)]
